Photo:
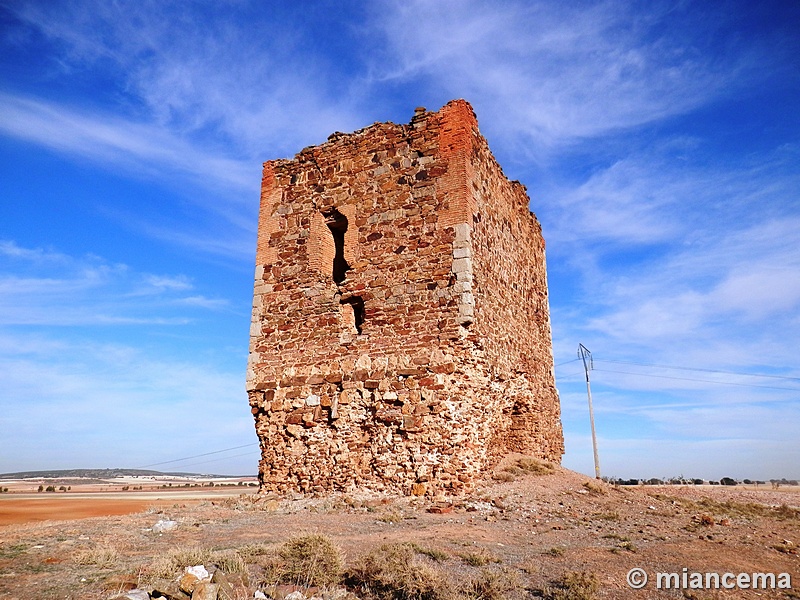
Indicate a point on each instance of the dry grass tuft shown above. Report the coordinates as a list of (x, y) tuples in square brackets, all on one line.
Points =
[(396, 572), (734, 509), (787, 547), (229, 561), (524, 466), (479, 558), (607, 516), (594, 486), (492, 585), (175, 560), (309, 560), (574, 586), (104, 557), (434, 554), (532, 466), (785, 512)]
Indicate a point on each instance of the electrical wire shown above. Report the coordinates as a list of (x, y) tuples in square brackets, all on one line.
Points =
[(205, 462), (166, 462), (566, 363), (766, 387), (627, 362)]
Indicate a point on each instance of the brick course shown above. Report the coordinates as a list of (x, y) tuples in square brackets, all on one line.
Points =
[(400, 337)]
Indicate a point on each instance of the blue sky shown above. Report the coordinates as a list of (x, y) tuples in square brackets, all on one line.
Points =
[(659, 141)]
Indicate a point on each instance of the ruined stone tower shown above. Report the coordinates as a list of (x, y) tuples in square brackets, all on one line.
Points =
[(401, 334)]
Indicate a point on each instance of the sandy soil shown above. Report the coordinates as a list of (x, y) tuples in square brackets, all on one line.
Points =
[(535, 528)]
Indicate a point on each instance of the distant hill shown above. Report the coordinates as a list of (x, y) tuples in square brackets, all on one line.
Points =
[(96, 474)]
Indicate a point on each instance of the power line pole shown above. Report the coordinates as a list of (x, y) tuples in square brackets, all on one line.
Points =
[(586, 357)]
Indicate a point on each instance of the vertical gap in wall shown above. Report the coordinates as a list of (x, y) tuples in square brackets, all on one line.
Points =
[(337, 223), (356, 305)]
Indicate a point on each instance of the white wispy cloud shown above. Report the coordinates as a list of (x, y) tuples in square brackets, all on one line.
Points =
[(140, 407), (747, 276), (194, 100), (237, 90), (137, 146), (89, 290), (558, 71)]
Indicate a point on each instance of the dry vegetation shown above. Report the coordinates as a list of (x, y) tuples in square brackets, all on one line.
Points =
[(532, 531)]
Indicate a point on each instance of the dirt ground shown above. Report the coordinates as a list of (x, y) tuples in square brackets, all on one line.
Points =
[(531, 529), (28, 508)]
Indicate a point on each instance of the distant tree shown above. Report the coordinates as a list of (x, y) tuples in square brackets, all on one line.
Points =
[(62, 488), (727, 481), (697, 481), (41, 488), (50, 488), (747, 482)]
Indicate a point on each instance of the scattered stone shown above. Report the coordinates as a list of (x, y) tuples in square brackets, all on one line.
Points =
[(231, 587), (135, 594), (164, 525), (192, 576), (440, 509), (205, 590)]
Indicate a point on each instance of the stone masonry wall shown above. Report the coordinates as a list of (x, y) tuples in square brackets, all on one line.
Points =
[(400, 336)]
